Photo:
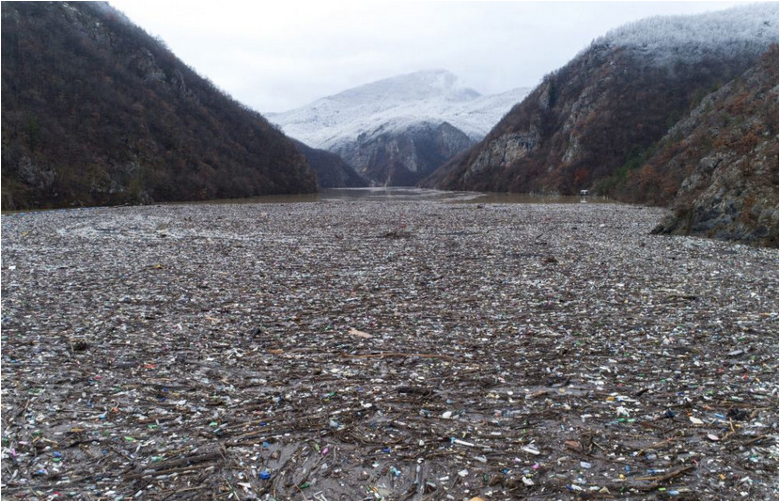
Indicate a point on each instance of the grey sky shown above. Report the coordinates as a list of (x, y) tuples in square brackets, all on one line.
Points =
[(277, 55)]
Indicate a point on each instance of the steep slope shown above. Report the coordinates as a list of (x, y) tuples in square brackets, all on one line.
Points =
[(401, 156), (596, 117), (95, 111), (725, 154), (330, 168), (397, 130)]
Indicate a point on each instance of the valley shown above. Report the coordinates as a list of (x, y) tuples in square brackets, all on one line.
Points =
[(407, 289)]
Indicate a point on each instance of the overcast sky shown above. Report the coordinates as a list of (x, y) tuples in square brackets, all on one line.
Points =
[(277, 55)]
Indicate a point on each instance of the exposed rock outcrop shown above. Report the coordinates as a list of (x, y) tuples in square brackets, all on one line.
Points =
[(727, 154), (403, 156)]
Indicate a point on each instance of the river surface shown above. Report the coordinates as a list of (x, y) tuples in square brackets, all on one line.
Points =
[(387, 194), (412, 194), (417, 194)]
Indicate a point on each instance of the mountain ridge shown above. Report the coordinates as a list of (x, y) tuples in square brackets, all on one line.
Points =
[(610, 103), (430, 95), (331, 170)]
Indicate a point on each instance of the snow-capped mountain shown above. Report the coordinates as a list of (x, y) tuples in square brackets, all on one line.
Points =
[(385, 120)]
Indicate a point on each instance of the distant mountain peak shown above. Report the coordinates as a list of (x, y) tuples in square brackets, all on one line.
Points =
[(397, 129), (416, 86), (432, 96)]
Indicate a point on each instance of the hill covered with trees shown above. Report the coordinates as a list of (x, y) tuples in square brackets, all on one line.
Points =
[(724, 157), (600, 122), (97, 112), (331, 170), (605, 108)]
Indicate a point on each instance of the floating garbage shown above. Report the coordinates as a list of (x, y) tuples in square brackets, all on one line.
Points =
[(295, 352), (531, 449)]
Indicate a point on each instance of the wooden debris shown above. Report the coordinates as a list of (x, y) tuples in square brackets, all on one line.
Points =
[(252, 355)]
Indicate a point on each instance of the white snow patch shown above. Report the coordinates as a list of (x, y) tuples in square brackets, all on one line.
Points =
[(672, 38)]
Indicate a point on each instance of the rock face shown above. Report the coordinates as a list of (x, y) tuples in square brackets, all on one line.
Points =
[(401, 157), (726, 153), (396, 131), (332, 171), (591, 122), (97, 112)]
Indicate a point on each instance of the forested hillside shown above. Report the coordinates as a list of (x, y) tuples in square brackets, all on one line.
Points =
[(331, 170), (97, 112), (724, 159), (602, 114)]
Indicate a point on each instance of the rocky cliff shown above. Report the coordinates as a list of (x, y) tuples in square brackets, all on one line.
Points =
[(401, 156), (95, 112), (587, 125), (725, 153)]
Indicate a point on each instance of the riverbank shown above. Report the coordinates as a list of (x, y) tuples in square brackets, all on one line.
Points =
[(396, 349)]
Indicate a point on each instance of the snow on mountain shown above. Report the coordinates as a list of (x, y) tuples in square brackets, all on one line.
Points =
[(670, 39), (396, 104)]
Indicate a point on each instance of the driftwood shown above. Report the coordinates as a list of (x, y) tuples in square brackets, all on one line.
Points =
[(245, 357)]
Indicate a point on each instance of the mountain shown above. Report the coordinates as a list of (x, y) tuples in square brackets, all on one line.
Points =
[(330, 169), (587, 125), (396, 131), (725, 156), (97, 112), (401, 155)]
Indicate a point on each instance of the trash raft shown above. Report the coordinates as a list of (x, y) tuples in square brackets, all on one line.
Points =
[(371, 351)]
